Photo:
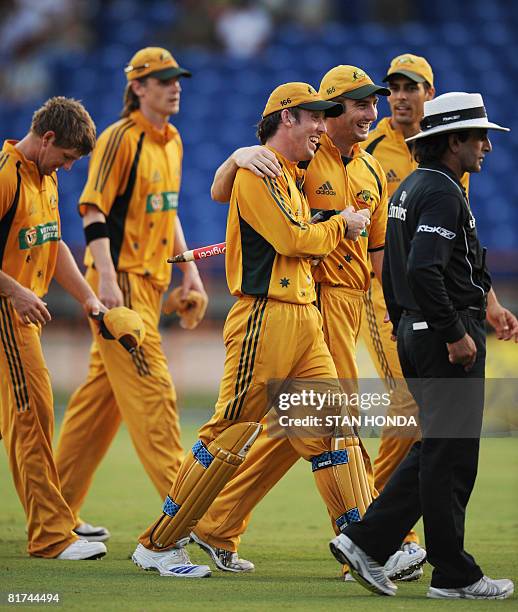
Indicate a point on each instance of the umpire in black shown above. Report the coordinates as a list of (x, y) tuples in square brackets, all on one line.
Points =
[(435, 283)]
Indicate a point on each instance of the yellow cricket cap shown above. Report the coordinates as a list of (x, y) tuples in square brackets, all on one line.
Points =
[(301, 95), (155, 62), (413, 67), (124, 325), (351, 82)]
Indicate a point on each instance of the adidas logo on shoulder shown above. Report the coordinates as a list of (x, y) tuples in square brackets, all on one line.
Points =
[(326, 189), (392, 177)]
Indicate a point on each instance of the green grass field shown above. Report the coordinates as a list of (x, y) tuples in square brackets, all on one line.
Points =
[(287, 540)]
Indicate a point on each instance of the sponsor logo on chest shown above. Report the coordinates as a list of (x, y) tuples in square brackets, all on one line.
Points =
[(29, 237), (162, 202)]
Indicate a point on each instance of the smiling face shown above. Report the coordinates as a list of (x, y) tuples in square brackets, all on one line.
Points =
[(354, 124), (158, 98), (305, 132), (472, 151), (51, 157)]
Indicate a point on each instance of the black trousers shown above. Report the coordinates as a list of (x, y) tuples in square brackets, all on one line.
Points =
[(436, 478)]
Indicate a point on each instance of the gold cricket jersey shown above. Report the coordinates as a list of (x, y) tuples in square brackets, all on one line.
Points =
[(335, 182), (269, 238), (388, 146), (134, 179), (29, 221)]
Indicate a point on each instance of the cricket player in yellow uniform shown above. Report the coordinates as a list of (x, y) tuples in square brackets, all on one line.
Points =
[(31, 254), (339, 174), (273, 331), (129, 209), (411, 82)]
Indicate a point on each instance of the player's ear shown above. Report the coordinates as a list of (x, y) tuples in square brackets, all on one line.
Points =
[(48, 138), (429, 92), (453, 142), (137, 87), (287, 118)]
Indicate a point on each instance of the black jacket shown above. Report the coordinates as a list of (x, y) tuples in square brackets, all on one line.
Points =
[(433, 262)]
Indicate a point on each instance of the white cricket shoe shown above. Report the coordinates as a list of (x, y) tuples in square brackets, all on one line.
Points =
[(82, 550), (405, 563), (225, 560), (365, 570), (93, 534), (485, 588), (416, 574), (348, 577), (174, 562)]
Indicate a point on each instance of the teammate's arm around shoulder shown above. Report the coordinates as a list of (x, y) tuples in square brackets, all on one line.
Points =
[(265, 204), (258, 159)]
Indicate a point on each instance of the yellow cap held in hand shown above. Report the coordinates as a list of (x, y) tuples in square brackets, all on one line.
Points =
[(300, 95), (124, 325)]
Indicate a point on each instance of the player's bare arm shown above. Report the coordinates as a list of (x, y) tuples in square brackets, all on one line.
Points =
[(70, 278), (109, 291), (191, 276), (258, 159), (376, 258), (29, 307), (501, 319)]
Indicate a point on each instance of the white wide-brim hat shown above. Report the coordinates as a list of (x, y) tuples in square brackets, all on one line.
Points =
[(452, 112)]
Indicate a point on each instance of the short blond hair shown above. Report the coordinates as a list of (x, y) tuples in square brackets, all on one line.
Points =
[(69, 120)]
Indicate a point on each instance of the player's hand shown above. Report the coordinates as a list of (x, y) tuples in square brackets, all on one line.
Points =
[(191, 280), (110, 293), (463, 352), (93, 306), (386, 319), (316, 259), (356, 222), (260, 160), (503, 321), (29, 307)]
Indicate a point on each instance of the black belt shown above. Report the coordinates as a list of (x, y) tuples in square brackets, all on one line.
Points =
[(474, 312)]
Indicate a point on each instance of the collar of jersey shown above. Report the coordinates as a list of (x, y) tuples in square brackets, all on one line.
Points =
[(326, 142), (438, 167), (162, 136), (286, 163), (385, 127), (31, 167)]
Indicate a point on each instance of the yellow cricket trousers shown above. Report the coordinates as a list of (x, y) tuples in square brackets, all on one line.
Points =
[(271, 457), (269, 340), (27, 417), (394, 445), (136, 388)]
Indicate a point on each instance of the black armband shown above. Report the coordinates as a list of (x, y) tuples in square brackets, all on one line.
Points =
[(96, 230)]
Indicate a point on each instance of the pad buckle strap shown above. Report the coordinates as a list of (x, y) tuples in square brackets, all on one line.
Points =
[(202, 455), (350, 516), (328, 459), (170, 507)]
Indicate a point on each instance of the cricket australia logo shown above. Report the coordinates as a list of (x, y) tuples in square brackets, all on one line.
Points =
[(358, 75), (365, 195), (405, 60), (30, 237)]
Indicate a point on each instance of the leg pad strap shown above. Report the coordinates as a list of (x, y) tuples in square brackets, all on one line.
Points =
[(202, 476)]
